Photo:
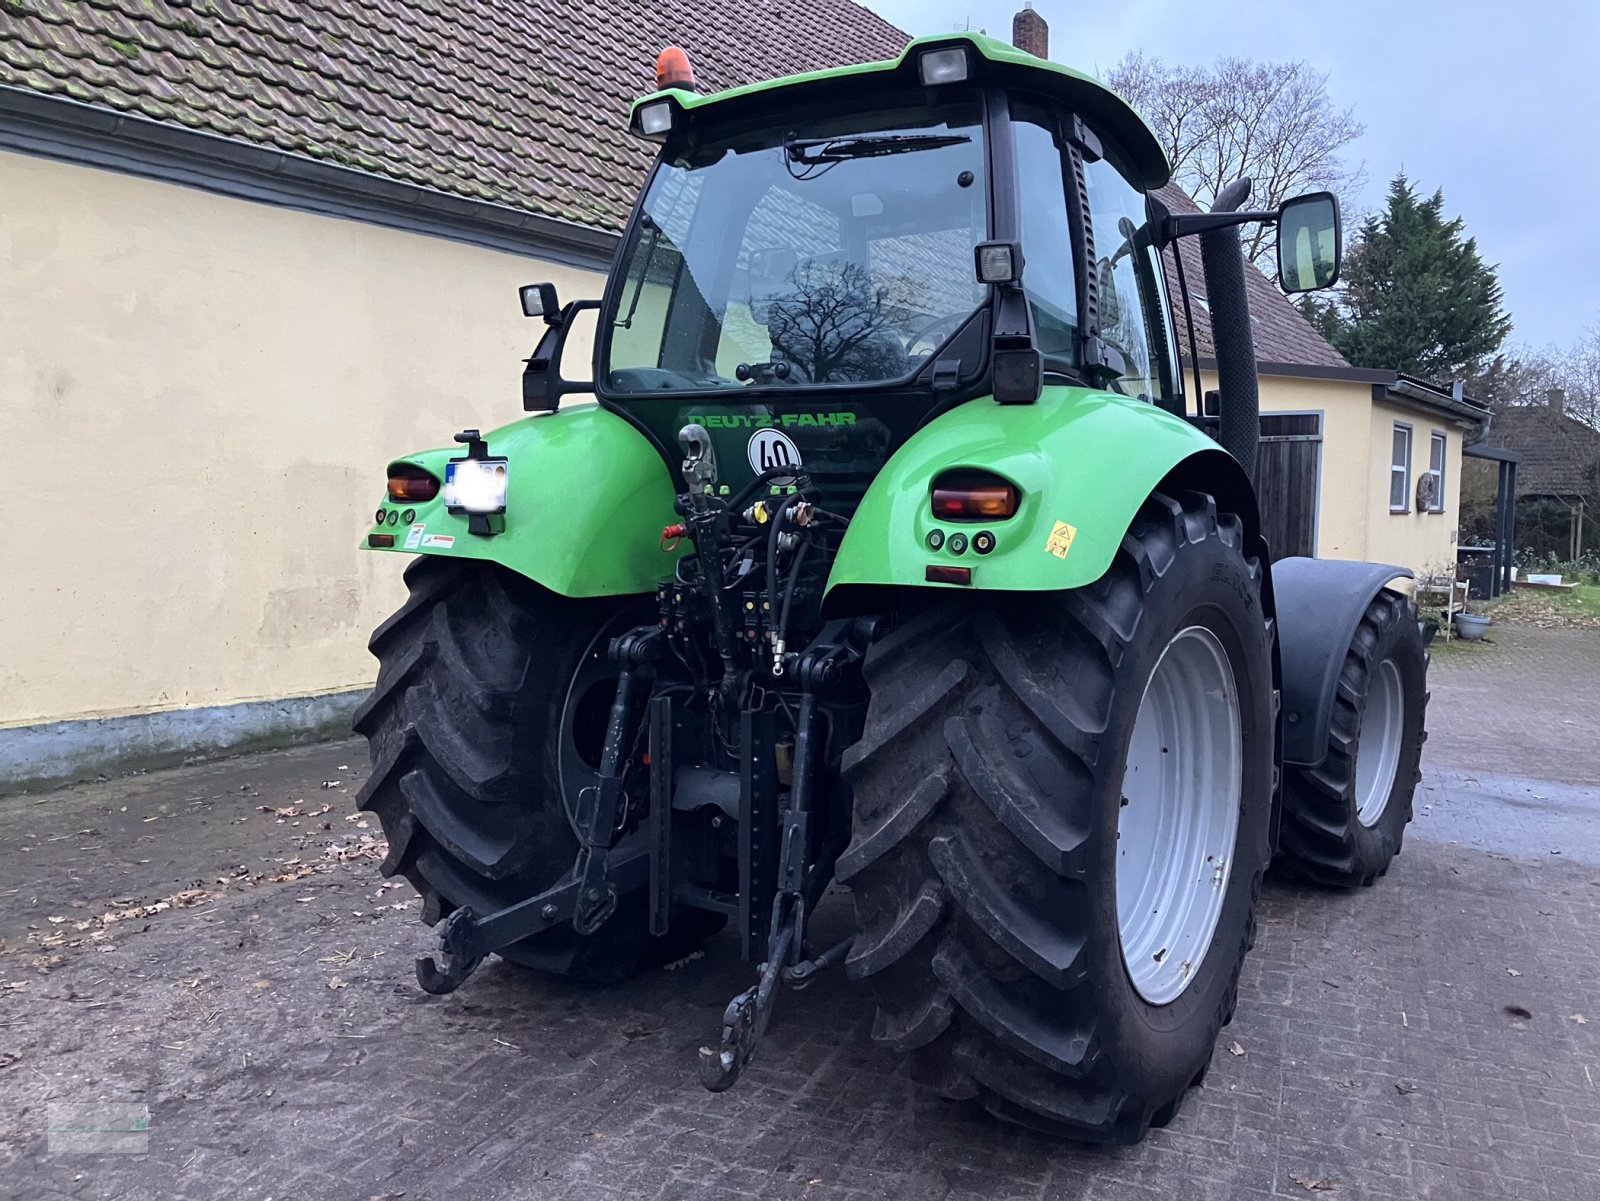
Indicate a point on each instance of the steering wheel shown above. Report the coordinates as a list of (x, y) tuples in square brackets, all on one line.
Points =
[(943, 326)]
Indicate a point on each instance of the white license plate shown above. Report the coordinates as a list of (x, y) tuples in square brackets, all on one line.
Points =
[(476, 485)]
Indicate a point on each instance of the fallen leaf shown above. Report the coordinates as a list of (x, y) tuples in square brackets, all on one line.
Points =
[(637, 1031), (1517, 1011), (1404, 1087), (1579, 1018), (335, 982), (1314, 1184), (1235, 1049), (1511, 971), (7, 1058)]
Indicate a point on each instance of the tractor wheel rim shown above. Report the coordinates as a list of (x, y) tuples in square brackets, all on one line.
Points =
[(1179, 816), (1378, 747)]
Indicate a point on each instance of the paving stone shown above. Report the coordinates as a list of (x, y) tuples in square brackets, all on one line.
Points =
[(263, 1081)]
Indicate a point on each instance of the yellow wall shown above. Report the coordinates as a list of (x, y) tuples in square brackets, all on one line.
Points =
[(197, 399), (1343, 507), (1423, 542), (1353, 518)]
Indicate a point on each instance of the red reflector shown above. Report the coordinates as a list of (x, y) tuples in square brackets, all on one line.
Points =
[(974, 496), (411, 485), (948, 575), (380, 540)]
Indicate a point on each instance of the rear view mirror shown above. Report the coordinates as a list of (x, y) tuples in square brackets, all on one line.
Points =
[(539, 300), (1309, 242)]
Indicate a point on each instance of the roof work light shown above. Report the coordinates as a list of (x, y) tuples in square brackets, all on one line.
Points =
[(943, 66)]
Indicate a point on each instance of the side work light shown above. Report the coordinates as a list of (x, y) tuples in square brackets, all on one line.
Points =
[(655, 120), (998, 262), (943, 66)]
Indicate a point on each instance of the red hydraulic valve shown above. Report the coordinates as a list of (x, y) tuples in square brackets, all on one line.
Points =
[(671, 535)]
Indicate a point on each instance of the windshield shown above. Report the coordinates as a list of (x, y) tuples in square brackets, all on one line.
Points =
[(840, 252)]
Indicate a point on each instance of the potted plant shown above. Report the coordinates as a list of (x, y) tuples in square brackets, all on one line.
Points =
[(1471, 627)]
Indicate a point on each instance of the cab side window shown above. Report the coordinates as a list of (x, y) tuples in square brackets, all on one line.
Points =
[(1133, 317), (1047, 270)]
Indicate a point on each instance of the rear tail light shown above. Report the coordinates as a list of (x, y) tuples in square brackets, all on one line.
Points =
[(937, 574), (411, 485), (974, 496)]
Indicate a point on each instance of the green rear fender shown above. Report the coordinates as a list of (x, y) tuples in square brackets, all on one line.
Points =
[(587, 499), (1084, 462)]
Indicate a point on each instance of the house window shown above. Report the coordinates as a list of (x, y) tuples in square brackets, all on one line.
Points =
[(1436, 452), (1400, 471)]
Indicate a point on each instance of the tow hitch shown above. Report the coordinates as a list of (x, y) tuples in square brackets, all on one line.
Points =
[(707, 792)]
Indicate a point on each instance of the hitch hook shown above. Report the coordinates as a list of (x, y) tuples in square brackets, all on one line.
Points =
[(458, 958), (745, 1019)]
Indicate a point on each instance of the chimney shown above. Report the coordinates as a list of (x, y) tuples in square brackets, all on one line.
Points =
[(1555, 398), (1029, 32)]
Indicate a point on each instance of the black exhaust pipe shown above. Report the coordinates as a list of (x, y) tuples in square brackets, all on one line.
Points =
[(1223, 260)]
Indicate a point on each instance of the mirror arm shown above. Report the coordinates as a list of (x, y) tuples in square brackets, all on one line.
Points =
[(542, 382), (1183, 225)]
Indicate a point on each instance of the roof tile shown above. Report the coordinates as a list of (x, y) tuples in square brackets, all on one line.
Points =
[(521, 102)]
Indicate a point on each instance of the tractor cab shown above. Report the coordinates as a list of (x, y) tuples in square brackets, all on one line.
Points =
[(819, 266), (816, 269)]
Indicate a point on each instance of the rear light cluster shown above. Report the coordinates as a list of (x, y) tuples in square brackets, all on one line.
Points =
[(974, 496), (411, 485)]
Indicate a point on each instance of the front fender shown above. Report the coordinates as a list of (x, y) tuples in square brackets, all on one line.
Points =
[(1084, 462), (587, 497)]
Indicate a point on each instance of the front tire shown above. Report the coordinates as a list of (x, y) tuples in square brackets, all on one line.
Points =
[(992, 784), (488, 715), (1344, 822)]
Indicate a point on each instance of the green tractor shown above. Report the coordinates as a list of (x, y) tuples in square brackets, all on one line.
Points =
[(895, 555)]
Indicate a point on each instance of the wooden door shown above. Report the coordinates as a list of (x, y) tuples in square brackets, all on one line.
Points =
[(1288, 468)]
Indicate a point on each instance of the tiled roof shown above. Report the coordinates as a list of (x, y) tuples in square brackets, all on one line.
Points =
[(1282, 335), (1559, 452), (517, 102)]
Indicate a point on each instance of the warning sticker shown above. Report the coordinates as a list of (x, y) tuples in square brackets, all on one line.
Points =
[(1060, 541), (439, 541), (414, 538)]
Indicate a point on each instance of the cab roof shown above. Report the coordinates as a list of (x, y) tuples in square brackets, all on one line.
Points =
[(995, 62)]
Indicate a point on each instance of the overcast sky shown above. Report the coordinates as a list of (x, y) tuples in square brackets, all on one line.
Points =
[(1493, 102)]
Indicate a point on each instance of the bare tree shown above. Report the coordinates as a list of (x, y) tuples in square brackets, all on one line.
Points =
[(834, 324), (1272, 122)]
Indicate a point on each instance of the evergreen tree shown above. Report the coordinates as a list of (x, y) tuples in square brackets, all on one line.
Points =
[(1416, 296)]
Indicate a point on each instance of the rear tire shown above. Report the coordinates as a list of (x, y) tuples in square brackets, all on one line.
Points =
[(989, 790), (489, 710), (1344, 822)]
